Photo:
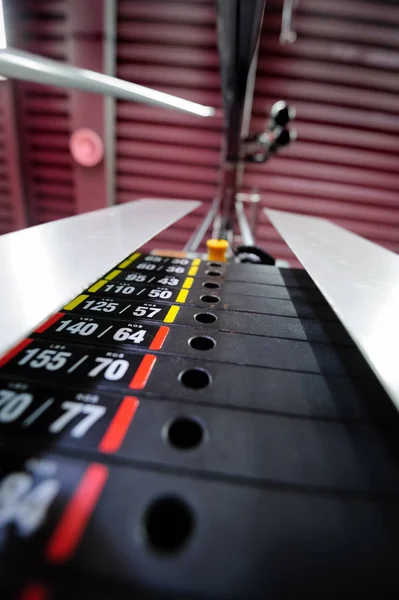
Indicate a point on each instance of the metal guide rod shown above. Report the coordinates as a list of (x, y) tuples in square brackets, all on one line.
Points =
[(197, 236), (360, 281), (287, 34), (239, 25), (44, 267), (17, 64), (245, 229), (246, 119), (109, 14)]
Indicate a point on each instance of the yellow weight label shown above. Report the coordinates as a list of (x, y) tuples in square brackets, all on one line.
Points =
[(196, 262), (113, 274), (171, 314), (99, 284), (182, 296), (193, 271), (75, 302), (188, 282), (129, 260)]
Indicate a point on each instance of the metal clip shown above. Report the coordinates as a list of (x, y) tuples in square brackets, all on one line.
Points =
[(287, 35)]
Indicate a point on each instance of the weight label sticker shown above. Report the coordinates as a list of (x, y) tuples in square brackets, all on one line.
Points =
[(96, 331), (129, 260), (144, 278), (70, 529), (58, 417), (127, 311), (25, 500), (46, 504), (68, 364), (127, 291), (155, 265)]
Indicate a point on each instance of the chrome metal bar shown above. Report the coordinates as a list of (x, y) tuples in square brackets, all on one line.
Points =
[(109, 7), (247, 112), (287, 35), (245, 229), (44, 267), (197, 236), (361, 282), (239, 25), (233, 171), (253, 220), (17, 64), (252, 199)]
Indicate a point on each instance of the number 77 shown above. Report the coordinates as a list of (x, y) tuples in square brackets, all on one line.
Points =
[(72, 410)]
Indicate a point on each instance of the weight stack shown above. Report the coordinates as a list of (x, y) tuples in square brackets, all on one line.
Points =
[(197, 430)]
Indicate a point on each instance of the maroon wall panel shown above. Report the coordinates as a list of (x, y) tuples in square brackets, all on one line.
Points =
[(341, 74), (69, 31), (44, 112), (85, 29), (170, 46), (12, 210)]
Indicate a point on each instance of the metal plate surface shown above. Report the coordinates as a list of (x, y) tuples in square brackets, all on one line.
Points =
[(361, 282), (45, 266)]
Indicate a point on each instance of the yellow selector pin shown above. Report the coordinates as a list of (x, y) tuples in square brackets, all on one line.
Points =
[(217, 249)]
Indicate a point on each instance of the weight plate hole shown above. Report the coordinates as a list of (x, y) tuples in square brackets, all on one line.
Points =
[(210, 299), (185, 433), (205, 318), (211, 285), (202, 342), (195, 378), (213, 273), (214, 264), (168, 524)]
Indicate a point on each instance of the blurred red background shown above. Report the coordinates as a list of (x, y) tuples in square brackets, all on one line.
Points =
[(341, 75)]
